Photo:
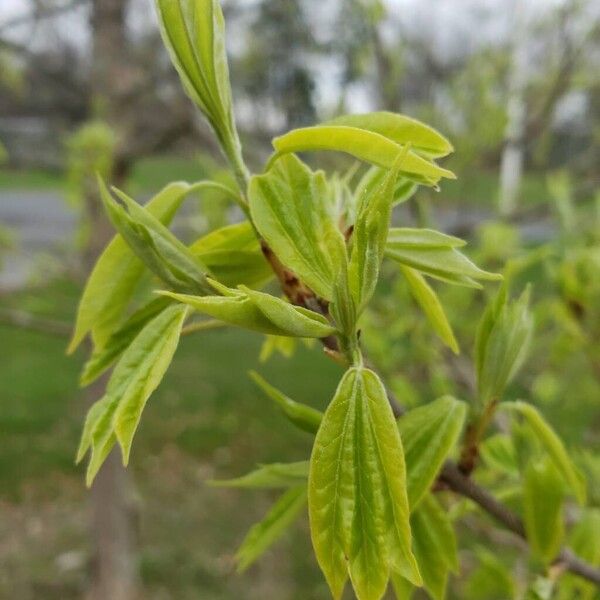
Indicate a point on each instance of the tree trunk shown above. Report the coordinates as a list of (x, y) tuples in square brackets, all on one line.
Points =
[(114, 573), (511, 166)]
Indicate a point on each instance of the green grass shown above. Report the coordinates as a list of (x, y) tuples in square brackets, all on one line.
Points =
[(206, 420), (148, 174), (11, 179)]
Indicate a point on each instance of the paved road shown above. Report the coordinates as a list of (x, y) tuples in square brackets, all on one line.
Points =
[(45, 226), (42, 223)]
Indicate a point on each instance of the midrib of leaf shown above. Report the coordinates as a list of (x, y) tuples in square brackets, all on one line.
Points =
[(280, 218), (386, 488), (340, 540), (308, 232)]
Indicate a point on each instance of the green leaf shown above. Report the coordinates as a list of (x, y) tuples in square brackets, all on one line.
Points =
[(435, 255), (155, 245), (585, 542), (553, 446), (285, 346), (303, 416), (290, 209), (370, 235), (373, 176), (403, 589), (502, 345), (357, 499), (116, 274), (415, 238), (139, 371), (428, 434), (103, 357), (265, 533), (498, 452), (277, 475), (427, 299), (259, 312), (362, 144), (194, 33), (233, 255), (543, 498), (434, 545), (400, 129), (491, 578)]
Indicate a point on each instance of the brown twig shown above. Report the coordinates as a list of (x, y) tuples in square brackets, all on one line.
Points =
[(454, 479), (451, 476)]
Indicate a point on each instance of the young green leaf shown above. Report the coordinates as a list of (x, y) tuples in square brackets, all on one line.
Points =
[(498, 452), (233, 255), (553, 446), (400, 129), (285, 346), (427, 299), (194, 33), (585, 542), (428, 434), (403, 589), (155, 245), (543, 498), (435, 255), (289, 206), (113, 280), (372, 178), (434, 545), (416, 238), (259, 312), (304, 417), (502, 345), (277, 475), (370, 235), (265, 533), (363, 144), (139, 371), (103, 357), (357, 499)]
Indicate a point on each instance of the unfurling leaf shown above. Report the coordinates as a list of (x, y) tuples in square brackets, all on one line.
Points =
[(553, 446), (428, 435), (431, 306), (358, 507), (194, 33), (277, 475), (502, 344), (434, 254), (400, 129), (362, 144), (265, 533), (543, 497), (290, 208), (139, 371), (434, 545), (233, 255), (258, 311), (303, 416), (155, 245), (404, 189), (369, 236), (116, 274)]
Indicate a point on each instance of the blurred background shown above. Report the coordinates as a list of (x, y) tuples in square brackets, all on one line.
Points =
[(86, 86)]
